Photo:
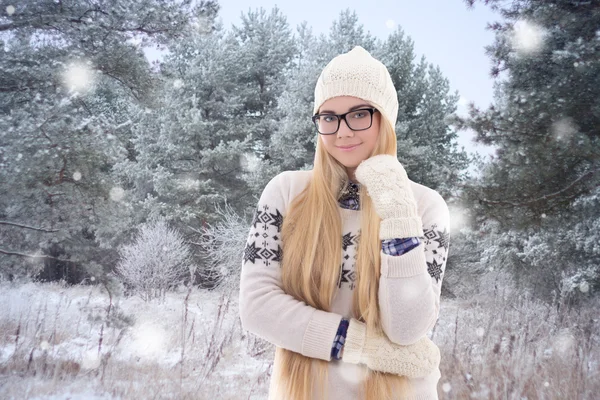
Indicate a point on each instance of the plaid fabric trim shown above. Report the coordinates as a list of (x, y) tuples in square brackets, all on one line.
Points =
[(397, 246), (340, 339), (349, 197)]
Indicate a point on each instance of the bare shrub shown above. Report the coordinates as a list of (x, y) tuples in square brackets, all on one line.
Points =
[(159, 259), (223, 247)]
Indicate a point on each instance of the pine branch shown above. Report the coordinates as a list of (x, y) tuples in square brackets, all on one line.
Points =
[(29, 227), (543, 198)]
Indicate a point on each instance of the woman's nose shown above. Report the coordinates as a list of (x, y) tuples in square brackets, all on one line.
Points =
[(344, 130)]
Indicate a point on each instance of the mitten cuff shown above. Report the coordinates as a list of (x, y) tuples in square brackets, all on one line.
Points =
[(355, 342), (391, 228)]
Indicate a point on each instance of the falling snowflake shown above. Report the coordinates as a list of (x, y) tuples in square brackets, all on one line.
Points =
[(390, 23), (527, 37), (116, 193), (480, 331), (564, 342), (78, 77), (458, 218), (91, 359), (149, 340), (177, 83), (77, 175), (249, 162), (10, 10), (564, 129), (446, 387), (584, 287)]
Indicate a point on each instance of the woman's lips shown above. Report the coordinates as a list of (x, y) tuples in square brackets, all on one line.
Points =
[(348, 148)]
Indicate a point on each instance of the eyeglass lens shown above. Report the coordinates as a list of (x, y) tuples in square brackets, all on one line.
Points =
[(356, 120)]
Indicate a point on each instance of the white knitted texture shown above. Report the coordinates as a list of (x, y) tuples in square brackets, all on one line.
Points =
[(380, 354), (358, 74), (388, 186), (355, 342)]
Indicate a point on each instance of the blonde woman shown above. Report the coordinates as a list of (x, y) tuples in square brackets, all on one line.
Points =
[(343, 265)]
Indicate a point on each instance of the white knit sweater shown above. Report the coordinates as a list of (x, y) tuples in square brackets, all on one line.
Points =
[(409, 287)]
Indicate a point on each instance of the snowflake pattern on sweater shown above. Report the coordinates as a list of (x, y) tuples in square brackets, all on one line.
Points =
[(271, 221), (347, 272), (266, 219), (437, 254)]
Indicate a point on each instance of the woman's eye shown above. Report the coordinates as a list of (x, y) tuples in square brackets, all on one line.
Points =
[(359, 114), (329, 118)]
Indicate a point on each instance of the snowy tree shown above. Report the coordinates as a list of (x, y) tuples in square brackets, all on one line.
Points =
[(426, 142), (542, 183), (293, 143), (265, 51), (202, 145), (222, 246), (345, 33), (73, 80), (159, 259), (187, 154)]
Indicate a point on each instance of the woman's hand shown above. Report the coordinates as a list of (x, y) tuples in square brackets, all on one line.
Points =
[(380, 354), (388, 186)]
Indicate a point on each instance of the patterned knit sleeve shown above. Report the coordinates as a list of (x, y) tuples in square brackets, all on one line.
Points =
[(265, 309), (410, 284)]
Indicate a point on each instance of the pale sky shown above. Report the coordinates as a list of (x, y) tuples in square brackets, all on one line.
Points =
[(446, 32)]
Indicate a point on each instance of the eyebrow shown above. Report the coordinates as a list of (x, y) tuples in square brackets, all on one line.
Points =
[(351, 109)]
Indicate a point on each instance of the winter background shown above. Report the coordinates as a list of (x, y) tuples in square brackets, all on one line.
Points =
[(137, 135)]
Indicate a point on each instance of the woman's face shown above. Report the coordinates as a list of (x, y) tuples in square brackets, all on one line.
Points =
[(362, 142)]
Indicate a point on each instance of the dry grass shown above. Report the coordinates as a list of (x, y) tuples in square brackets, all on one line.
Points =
[(64, 341), (512, 347), (67, 340)]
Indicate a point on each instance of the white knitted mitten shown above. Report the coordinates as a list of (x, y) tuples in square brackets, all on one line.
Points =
[(388, 186), (380, 354)]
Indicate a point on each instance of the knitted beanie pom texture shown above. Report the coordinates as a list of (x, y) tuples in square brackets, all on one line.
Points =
[(358, 74)]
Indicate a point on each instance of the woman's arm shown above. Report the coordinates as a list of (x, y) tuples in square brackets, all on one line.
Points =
[(408, 296), (265, 309), (410, 284)]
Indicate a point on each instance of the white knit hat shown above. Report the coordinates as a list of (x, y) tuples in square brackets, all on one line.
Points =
[(356, 73)]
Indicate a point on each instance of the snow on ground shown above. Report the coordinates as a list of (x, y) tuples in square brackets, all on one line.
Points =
[(59, 342)]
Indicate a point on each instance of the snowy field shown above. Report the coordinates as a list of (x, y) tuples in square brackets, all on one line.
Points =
[(60, 342)]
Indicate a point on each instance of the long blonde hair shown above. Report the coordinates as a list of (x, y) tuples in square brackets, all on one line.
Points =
[(312, 247)]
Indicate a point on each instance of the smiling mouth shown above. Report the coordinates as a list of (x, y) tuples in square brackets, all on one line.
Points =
[(348, 147)]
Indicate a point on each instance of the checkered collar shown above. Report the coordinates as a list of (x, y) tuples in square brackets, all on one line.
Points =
[(349, 195)]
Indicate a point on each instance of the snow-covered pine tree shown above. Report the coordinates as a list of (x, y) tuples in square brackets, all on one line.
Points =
[(72, 78), (205, 142), (292, 144), (266, 47), (186, 152), (426, 142), (542, 186)]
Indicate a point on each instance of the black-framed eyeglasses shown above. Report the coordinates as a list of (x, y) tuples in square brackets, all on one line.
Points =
[(357, 120)]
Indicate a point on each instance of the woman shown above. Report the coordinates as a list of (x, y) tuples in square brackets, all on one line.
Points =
[(343, 265)]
